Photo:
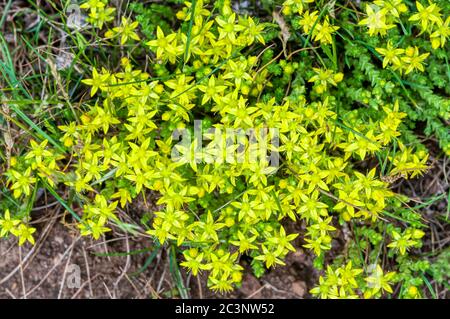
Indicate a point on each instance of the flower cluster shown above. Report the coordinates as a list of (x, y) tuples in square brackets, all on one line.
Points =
[(310, 21), (432, 22), (16, 227), (99, 14), (407, 60), (385, 15), (346, 282)]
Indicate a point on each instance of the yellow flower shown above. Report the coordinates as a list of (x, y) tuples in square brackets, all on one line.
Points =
[(362, 144), (408, 163), (439, 37), (96, 229), (228, 27), (308, 20), (126, 30), (296, 6), (238, 72), (324, 31), (427, 16), (414, 293), (100, 16), (244, 243), (25, 233), (38, 151), (212, 90), (378, 281), (391, 55), (22, 183), (7, 224), (124, 195), (414, 59), (70, 134), (394, 7), (221, 284), (324, 77), (348, 274), (98, 81), (270, 257), (252, 30), (376, 21), (165, 45), (401, 242), (193, 261), (93, 4)]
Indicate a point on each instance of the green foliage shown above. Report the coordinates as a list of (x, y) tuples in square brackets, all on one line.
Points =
[(440, 268), (153, 15)]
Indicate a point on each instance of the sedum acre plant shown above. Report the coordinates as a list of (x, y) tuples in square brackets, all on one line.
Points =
[(238, 144)]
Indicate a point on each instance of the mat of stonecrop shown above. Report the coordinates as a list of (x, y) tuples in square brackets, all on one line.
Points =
[(230, 134)]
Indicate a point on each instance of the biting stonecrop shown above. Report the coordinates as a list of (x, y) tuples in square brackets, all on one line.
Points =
[(216, 211), (411, 40)]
